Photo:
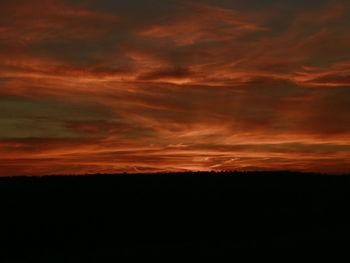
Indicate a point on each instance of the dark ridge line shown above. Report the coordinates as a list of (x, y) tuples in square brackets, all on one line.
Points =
[(225, 173)]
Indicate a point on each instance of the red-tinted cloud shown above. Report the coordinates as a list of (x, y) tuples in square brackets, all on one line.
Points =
[(93, 88), (26, 22)]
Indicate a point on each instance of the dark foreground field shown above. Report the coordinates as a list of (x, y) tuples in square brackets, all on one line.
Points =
[(99, 217)]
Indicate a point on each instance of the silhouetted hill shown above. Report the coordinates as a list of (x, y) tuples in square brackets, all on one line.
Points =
[(103, 215), (193, 181)]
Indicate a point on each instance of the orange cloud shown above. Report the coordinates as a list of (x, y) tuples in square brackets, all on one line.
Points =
[(202, 23)]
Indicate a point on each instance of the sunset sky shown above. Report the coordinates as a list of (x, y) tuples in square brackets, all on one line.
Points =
[(105, 86)]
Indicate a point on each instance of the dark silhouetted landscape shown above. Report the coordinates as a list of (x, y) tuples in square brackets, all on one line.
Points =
[(104, 215)]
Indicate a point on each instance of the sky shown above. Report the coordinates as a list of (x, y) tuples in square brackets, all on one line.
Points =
[(102, 86)]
